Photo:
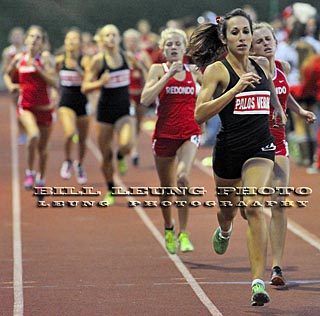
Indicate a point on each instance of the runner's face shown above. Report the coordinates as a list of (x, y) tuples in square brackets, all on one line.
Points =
[(239, 35), (17, 38), (72, 41), (110, 37), (174, 48), (263, 43), (34, 39), (132, 43)]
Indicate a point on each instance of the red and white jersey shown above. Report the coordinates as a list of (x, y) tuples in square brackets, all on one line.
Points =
[(282, 88), (136, 76), (34, 89), (175, 108)]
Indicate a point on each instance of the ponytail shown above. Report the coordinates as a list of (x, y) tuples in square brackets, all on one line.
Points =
[(205, 46)]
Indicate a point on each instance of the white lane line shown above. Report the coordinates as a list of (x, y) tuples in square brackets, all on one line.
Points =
[(301, 232), (158, 236), (16, 219), (305, 235), (204, 169), (292, 226), (70, 287), (291, 282)]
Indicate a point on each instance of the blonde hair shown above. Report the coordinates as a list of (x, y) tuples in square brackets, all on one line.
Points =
[(264, 25), (108, 27), (167, 32), (131, 32)]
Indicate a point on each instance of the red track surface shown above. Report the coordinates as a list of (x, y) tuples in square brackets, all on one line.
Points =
[(109, 261)]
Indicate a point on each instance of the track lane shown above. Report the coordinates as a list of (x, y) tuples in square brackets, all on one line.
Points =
[(81, 261)]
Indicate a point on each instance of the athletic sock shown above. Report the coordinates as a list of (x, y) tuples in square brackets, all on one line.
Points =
[(119, 156), (226, 234), (110, 185), (255, 281)]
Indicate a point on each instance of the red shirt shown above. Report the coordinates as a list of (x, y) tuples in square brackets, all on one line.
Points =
[(34, 89), (175, 108), (282, 88), (311, 77), (136, 77)]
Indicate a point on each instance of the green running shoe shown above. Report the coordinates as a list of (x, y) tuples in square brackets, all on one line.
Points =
[(185, 243), (122, 166), (109, 198), (220, 244), (259, 295), (171, 241), (75, 138)]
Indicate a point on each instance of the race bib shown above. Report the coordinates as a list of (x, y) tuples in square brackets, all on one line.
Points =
[(118, 79), (252, 102)]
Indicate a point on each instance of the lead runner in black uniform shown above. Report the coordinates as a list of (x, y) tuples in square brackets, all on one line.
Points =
[(240, 91), (242, 136)]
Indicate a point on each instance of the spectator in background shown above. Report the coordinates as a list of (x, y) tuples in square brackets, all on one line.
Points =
[(286, 50), (249, 9), (311, 32), (310, 77)]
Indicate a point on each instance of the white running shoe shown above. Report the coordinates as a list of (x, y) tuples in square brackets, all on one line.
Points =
[(80, 173), (66, 170)]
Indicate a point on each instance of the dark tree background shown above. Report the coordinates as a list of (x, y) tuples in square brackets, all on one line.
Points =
[(57, 16)]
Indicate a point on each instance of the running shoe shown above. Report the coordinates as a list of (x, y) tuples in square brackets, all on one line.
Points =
[(80, 173), (185, 243), (109, 198), (66, 170), (135, 159), (122, 166), (171, 241), (277, 278), (29, 179), (22, 139), (259, 295), (313, 170), (220, 243)]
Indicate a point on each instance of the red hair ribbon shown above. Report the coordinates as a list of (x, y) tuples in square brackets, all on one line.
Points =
[(219, 19)]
